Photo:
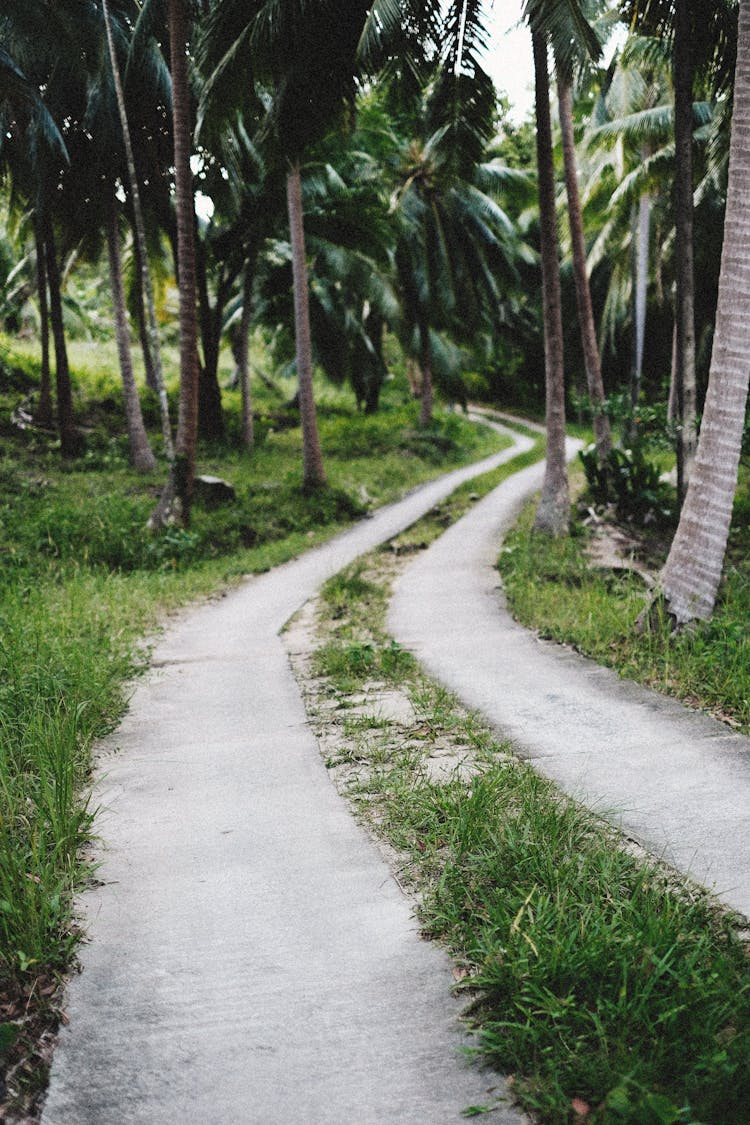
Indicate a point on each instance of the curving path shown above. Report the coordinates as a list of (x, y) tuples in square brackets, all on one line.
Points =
[(676, 781), (250, 959)]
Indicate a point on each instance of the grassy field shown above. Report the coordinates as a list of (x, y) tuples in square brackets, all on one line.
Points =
[(82, 584)]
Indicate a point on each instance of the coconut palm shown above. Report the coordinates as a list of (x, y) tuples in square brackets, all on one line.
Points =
[(589, 344), (699, 47), (176, 498), (19, 97), (33, 154), (141, 454), (154, 349), (632, 133), (292, 48), (691, 575), (456, 250), (553, 511), (567, 29), (350, 237)]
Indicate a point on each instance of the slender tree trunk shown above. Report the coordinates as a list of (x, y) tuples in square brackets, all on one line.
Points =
[(553, 513), (69, 438), (641, 291), (425, 366), (692, 572), (141, 455), (140, 234), (210, 415), (683, 196), (44, 416), (140, 314), (313, 473), (243, 361), (414, 377), (592, 360), (174, 504), (375, 326), (672, 404)]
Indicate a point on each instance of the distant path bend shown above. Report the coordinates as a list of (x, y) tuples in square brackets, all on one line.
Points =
[(251, 960), (675, 780)]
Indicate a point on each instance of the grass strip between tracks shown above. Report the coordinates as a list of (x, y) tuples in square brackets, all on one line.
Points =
[(610, 988)]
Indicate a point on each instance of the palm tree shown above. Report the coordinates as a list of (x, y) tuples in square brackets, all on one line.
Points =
[(140, 234), (176, 498), (692, 573), (295, 48), (16, 94), (32, 153), (570, 34), (700, 49), (638, 113), (456, 250), (591, 356), (553, 511), (141, 454), (683, 72), (350, 237)]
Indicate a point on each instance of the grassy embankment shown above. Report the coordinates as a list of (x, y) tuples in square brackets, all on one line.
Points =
[(82, 583), (553, 588), (610, 989)]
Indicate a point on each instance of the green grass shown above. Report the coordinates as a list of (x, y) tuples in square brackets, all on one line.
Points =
[(551, 588), (595, 977), (82, 583)]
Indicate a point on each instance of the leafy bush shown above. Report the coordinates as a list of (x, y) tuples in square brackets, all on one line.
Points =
[(629, 481)]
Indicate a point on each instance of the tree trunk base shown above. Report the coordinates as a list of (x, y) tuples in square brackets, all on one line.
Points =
[(173, 509), (553, 515), (657, 618)]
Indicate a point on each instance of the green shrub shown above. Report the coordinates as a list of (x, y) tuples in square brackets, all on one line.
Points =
[(631, 482)]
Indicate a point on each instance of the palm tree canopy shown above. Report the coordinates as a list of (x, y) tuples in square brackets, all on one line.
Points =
[(304, 56)]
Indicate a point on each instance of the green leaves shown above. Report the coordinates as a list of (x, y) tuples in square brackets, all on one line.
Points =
[(564, 25), (19, 93)]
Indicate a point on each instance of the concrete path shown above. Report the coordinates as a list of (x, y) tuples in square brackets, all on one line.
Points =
[(676, 781), (250, 958)]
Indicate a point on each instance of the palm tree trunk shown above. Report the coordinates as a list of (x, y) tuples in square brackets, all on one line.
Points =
[(425, 366), (313, 473), (692, 572), (141, 455), (243, 360), (210, 415), (554, 506), (140, 315), (641, 291), (140, 234), (685, 299), (672, 407), (44, 415), (175, 501), (591, 358), (69, 437)]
